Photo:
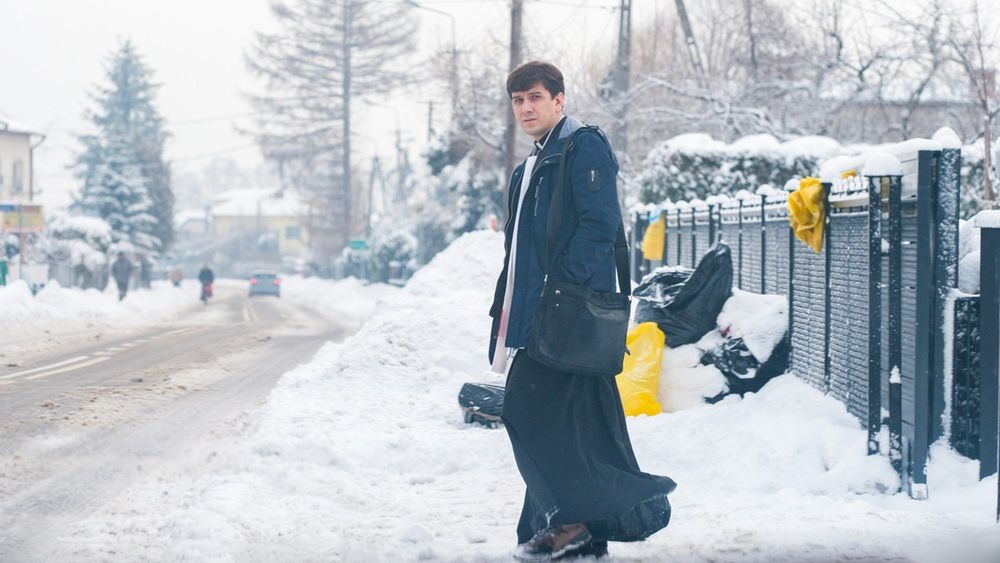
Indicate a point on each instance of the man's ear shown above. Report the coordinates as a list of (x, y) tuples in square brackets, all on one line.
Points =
[(560, 101)]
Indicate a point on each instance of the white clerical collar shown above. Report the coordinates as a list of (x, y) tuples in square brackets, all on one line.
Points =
[(540, 145)]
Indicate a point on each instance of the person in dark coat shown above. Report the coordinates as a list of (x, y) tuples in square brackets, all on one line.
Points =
[(584, 487), (121, 270), (206, 277)]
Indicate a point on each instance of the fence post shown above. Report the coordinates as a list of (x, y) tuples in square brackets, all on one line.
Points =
[(711, 224), (925, 318), (763, 244), (694, 238), (896, 324), (637, 232), (989, 343), (946, 200), (826, 285), (739, 244), (666, 237), (876, 184), (680, 242)]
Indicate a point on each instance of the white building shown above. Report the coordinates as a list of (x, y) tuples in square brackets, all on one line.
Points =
[(17, 146)]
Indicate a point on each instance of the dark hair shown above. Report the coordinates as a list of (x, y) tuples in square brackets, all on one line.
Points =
[(527, 75)]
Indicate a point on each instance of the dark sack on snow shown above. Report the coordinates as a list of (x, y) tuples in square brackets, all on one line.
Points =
[(482, 403), (687, 314), (743, 373), (657, 290)]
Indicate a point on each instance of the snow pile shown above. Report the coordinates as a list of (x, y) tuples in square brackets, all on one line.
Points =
[(348, 301), (760, 320), (882, 164), (968, 250), (56, 308), (361, 455), (684, 382)]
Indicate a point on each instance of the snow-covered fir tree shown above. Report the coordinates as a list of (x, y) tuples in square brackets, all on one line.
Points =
[(125, 179)]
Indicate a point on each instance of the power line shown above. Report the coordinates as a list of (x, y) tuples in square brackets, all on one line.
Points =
[(213, 153)]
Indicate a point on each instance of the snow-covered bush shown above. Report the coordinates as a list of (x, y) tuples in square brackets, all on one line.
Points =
[(398, 246), (696, 165), (82, 243), (465, 192), (972, 177)]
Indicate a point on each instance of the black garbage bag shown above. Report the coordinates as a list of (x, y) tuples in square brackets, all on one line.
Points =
[(688, 312), (743, 373), (733, 359), (661, 286), (481, 403)]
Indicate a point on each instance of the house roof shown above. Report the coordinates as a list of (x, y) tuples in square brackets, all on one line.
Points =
[(13, 126), (267, 202)]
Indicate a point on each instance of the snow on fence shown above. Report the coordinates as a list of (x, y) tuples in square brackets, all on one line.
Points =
[(872, 316)]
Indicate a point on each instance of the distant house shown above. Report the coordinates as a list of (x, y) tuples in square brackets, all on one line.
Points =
[(275, 215), (19, 215), (191, 223), (17, 145)]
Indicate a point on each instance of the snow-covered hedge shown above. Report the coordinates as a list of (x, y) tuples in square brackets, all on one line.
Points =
[(81, 242), (696, 165)]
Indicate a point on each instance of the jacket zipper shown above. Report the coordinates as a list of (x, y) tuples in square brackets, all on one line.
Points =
[(510, 204), (538, 188)]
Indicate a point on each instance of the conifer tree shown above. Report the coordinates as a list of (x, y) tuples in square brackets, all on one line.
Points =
[(125, 179)]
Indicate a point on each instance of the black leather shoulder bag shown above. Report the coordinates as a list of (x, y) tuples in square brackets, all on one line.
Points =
[(576, 329)]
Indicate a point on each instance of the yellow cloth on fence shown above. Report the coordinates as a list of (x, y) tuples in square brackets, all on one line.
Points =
[(652, 241), (806, 214), (640, 376)]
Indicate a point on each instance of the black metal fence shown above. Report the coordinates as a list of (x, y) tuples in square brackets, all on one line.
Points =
[(868, 313)]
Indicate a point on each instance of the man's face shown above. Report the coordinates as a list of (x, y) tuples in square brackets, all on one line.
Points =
[(536, 111)]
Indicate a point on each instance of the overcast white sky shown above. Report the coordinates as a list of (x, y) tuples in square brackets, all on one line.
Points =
[(52, 53)]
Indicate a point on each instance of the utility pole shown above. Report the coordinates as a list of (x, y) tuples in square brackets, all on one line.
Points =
[(692, 47), (516, 9), (622, 75), (376, 173), (430, 119)]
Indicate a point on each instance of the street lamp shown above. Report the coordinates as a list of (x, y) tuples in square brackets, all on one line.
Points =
[(454, 48), (453, 67)]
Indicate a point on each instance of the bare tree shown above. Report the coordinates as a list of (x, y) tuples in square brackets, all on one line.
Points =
[(325, 54), (975, 49)]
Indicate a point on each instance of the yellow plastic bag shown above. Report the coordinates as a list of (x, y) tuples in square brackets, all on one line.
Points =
[(652, 241), (640, 376), (806, 214)]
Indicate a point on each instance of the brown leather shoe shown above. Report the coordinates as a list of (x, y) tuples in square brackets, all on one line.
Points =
[(553, 542)]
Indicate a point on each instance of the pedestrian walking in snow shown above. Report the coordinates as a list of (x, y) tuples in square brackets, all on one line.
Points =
[(121, 270), (176, 276), (145, 272), (206, 277), (566, 426)]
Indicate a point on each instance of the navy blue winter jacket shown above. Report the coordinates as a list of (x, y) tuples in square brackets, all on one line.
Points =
[(591, 217)]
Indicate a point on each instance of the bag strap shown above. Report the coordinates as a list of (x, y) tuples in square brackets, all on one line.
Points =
[(555, 219)]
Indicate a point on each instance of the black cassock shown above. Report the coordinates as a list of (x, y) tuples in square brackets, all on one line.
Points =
[(572, 449)]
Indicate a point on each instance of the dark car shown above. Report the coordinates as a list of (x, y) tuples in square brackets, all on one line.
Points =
[(265, 284)]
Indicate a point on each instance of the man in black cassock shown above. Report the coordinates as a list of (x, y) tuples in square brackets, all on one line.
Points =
[(568, 432)]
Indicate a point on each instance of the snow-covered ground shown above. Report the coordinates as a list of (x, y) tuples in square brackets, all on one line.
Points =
[(349, 301), (362, 455)]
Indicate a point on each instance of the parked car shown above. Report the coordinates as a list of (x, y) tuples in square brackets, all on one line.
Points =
[(265, 284)]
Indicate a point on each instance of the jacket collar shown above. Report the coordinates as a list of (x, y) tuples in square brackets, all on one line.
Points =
[(562, 131), (554, 146)]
